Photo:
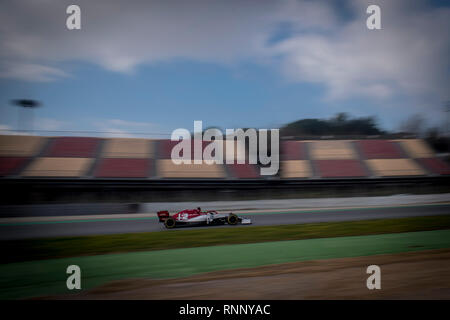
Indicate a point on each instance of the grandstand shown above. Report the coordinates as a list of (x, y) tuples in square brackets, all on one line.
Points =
[(340, 168), (435, 166), (20, 146), (331, 150), (167, 169), (243, 171), (79, 147), (128, 148), (58, 167), (379, 149), (292, 150), (295, 169), (10, 166), (416, 148), (394, 167), (34, 157), (123, 168), (16, 151)]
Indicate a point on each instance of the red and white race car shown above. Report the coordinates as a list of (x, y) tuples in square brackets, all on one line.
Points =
[(197, 217)]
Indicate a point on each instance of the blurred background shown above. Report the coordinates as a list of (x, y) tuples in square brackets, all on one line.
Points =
[(86, 118)]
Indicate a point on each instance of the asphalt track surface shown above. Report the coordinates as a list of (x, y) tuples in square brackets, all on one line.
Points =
[(98, 226)]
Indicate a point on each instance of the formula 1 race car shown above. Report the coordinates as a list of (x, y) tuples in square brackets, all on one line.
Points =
[(197, 217)]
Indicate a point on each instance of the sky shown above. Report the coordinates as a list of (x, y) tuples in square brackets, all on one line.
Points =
[(151, 67)]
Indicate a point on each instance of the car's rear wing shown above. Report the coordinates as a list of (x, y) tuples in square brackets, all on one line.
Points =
[(163, 215)]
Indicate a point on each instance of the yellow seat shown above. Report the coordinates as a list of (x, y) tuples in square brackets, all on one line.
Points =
[(295, 169), (394, 167), (20, 146), (417, 148), (58, 167), (128, 148), (331, 150), (235, 151), (167, 169)]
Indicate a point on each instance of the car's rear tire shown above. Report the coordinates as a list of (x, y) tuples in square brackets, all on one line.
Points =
[(232, 219), (169, 223)]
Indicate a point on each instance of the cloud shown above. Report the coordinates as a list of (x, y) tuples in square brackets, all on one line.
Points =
[(321, 45), (30, 72), (49, 124), (405, 57), (4, 127), (120, 37)]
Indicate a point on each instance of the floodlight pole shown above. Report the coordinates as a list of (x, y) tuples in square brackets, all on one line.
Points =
[(447, 110), (25, 104)]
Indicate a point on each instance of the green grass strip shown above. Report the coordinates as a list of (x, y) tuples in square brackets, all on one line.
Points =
[(47, 277), (34, 249)]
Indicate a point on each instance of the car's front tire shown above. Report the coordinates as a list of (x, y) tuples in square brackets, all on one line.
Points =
[(169, 223), (232, 219)]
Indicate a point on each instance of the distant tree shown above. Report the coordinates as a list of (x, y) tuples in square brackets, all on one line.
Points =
[(439, 142), (414, 124), (341, 124), (341, 117)]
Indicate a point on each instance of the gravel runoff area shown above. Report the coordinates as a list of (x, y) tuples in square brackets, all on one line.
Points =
[(412, 275)]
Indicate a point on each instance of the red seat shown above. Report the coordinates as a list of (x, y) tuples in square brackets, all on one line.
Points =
[(340, 168), (379, 149), (123, 168), (435, 165), (243, 171), (82, 147), (292, 150), (9, 165), (166, 146)]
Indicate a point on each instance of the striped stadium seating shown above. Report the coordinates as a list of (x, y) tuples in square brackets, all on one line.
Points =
[(123, 168), (11, 165), (435, 165), (243, 171), (36, 157), (81, 147), (239, 152), (340, 168), (379, 149), (416, 148), (394, 167), (292, 150), (58, 167), (167, 169), (20, 146), (128, 148), (331, 150), (295, 169), (165, 148)]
